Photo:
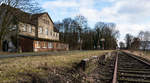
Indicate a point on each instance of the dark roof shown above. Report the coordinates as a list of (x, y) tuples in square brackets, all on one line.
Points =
[(38, 39), (19, 14), (26, 17)]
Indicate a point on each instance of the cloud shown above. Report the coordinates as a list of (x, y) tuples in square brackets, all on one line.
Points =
[(129, 15), (60, 3)]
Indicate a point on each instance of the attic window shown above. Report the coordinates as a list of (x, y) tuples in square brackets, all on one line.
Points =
[(46, 21)]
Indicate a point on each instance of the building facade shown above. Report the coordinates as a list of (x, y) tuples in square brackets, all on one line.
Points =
[(42, 36), (34, 33)]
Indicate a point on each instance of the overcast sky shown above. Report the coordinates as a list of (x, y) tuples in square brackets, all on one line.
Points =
[(131, 16)]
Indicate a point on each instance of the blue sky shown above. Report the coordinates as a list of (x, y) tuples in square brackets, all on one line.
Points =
[(131, 16)]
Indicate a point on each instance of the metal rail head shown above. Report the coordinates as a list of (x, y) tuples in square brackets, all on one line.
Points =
[(134, 56), (115, 70)]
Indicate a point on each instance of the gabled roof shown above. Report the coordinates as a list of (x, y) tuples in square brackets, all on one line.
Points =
[(26, 17), (40, 14)]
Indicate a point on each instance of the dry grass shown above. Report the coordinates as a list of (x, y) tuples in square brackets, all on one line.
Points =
[(143, 54), (11, 69)]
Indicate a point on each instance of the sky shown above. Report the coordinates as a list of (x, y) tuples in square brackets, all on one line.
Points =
[(130, 16)]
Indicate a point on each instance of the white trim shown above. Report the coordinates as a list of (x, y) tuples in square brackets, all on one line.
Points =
[(30, 29), (40, 30), (46, 31), (24, 29), (44, 45), (50, 45), (38, 44)]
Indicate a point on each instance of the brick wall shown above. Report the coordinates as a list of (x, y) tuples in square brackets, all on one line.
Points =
[(43, 46)]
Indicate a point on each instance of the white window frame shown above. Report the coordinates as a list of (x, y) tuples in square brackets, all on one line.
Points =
[(44, 43), (30, 29), (24, 29), (50, 45), (38, 44), (40, 30), (46, 31)]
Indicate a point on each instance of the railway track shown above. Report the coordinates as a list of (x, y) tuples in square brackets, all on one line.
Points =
[(130, 69)]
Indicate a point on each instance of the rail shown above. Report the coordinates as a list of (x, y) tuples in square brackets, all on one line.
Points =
[(115, 70), (114, 80), (134, 56)]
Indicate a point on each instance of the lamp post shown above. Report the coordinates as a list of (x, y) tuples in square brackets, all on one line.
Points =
[(103, 40)]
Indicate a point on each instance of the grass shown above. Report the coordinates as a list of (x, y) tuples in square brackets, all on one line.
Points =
[(143, 54), (13, 69)]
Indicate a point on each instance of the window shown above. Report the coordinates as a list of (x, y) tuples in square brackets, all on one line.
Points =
[(40, 30), (50, 45), (44, 45), (30, 29), (24, 28), (51, 33), (45, 20), (46, 31), (54, 34), (37, 45)]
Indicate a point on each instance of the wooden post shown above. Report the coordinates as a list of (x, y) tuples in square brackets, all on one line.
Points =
[(84, 63)]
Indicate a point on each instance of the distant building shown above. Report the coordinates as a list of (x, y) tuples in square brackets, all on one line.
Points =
[(33, 33)]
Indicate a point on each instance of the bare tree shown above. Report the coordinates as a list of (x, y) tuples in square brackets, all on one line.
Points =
[(73, 30), (145, 39), (141, 35), (82, 21), (135, 43), (8, 14), (122, 45), (128, 39), (108, 32)]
